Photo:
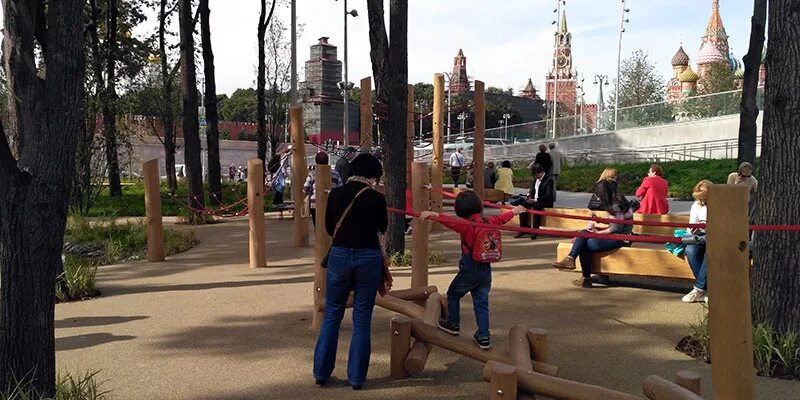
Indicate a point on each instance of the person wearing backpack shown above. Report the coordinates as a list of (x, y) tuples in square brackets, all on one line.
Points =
[(479, 248)]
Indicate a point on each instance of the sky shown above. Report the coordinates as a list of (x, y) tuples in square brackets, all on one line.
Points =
[(505, 41)]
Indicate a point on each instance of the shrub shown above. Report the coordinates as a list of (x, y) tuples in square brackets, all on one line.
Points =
[(404, 259), (77, 280)]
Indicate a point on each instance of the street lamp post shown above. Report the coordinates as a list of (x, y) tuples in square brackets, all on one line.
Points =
[(461, 117), (622, 23), (600, 80), (506, 116), (449, 95), (579, 106), (345, 85)]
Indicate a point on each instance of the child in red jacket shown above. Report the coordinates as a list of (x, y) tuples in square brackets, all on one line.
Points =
[(473, 277)]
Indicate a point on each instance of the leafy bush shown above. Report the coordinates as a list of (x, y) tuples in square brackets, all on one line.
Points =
[(404, 259), (67, 388)]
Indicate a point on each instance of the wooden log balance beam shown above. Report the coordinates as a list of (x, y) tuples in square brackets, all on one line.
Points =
[(658, 388), (418, 355), (419, 293)]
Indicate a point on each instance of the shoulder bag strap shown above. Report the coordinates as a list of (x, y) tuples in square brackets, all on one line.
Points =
[(347, 211)]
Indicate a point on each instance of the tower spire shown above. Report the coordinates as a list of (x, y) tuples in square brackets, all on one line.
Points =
[(562, 27)]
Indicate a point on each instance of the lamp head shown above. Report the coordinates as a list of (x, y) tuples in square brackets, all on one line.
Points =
[(353, 12)]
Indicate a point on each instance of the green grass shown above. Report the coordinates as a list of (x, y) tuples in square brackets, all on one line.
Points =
[(77, 280), (131, 203), (404, 259), (68, 387)]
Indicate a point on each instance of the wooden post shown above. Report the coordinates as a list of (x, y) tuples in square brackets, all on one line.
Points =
[(401, 343), (502, 382), (322, 241), (152, 207), (478, 145), (689, 380), (299, 171), (419, 247), (437, 160), (539, 347), (730, 319), (657, 388), (420, 350), (519, 348), (366, 114), (409, 134), (255, 203)]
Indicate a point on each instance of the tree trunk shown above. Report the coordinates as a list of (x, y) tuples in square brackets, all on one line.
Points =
[(110, 101), (191, 127), (261, 95), (379, 49), (167, 111), (34, 190), (212, 114), (748, 131), (395, 160), (776, 276)]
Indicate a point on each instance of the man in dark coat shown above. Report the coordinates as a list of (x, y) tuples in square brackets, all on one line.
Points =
[(543, 159), (542, 195)]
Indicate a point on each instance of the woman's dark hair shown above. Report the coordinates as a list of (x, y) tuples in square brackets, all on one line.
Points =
[(366, 165), (506, 164), (468, 203), (609, 196), (537, 169), (321, 158)]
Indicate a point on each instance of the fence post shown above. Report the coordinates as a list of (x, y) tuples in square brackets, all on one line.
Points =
[(410, 133), (730, 319), (322, 241), (479, 139), (366, 114), (299, 172), (401, 345), (419, 249), (152, 206), (437, 158), (255, 205)]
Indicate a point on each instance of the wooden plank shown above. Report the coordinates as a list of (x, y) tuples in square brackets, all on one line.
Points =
[(478, 143), (420, 350), (415, 293), (322, 241), (502, 382), (558, 388), (634, 261), (404, 307), (491, 195), (299, 172), (152, 207), (401, 343), (730, 320), (366, 114), (421, 198), (577, 224), (658, 230), (658, 388)]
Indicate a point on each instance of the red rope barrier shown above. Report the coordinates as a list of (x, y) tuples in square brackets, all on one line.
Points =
[(548, 232)]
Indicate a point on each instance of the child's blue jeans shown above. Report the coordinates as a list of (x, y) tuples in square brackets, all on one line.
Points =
[(474, 278)]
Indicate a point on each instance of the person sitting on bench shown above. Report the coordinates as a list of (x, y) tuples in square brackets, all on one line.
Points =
[(696, 253), (618, 207), (542, 195)]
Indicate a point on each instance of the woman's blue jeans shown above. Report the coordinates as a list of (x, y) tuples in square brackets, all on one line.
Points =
[(585, 248), (361, 271), (474, 278), (696, 255)]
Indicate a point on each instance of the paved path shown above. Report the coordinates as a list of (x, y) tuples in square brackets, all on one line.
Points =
[(202, 326)]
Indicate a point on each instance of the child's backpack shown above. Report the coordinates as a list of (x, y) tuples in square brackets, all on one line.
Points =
[(488, 245)]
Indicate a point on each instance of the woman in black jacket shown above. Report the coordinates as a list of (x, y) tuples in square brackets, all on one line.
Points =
[(542, 195), (355, 262)]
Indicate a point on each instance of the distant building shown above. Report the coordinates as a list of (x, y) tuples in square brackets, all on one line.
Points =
[(459, 81), (323, 106)]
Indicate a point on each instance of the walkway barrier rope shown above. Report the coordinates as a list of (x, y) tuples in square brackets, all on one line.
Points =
[(549, 232), (786, 228)]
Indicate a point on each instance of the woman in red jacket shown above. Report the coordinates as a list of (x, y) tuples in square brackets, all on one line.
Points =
[(653, 192)]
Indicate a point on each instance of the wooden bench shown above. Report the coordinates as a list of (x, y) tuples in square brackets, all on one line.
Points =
[(649, 262), (490, 195), (287, 206), (577, 224)]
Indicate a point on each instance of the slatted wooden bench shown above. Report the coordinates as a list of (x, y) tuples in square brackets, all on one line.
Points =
[(577, 224), (490, 195), (645, 261)]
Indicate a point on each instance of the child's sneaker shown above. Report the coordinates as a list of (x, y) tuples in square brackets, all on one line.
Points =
[(483, 340), (449, 327)]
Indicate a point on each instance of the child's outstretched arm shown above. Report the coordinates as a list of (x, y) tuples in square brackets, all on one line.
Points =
[(506, 216), (456, 224)]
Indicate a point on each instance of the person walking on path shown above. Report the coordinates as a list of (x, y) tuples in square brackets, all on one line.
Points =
[(456, 163), (542, 195), (653, 192), (558, 161), (543, 159), (473, 277), (342, 166), (310, 186), (356, 215), (505, 179)]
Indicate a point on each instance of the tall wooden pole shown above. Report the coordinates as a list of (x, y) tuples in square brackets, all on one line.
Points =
[(437, 162), (152, 207), (409, 134), (299, 171), (255, 203), (419, 248), (322, 241), (366, 114), (730, 319), (479, 140)]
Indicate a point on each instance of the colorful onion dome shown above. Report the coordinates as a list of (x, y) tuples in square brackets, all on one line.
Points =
[(688, 75), (739, 73), (680, 58), (709, 54), (734, 63)]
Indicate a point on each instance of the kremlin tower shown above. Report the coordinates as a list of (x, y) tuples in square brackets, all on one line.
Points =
[(459, 82)]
